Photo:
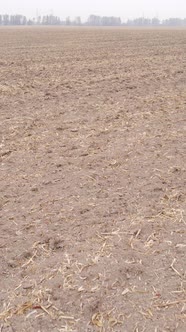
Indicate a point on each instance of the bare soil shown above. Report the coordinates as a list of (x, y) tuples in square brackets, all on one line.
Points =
[(92, 194)]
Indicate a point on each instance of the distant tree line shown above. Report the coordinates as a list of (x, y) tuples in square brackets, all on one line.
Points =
[(141, 21), (93, 20)]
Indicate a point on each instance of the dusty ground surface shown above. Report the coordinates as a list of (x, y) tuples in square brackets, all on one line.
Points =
[(92, 180)]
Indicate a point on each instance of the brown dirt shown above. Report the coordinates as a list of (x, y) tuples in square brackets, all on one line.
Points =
[(92, 230)]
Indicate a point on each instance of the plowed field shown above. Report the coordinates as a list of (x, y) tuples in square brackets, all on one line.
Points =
[(92, 180)]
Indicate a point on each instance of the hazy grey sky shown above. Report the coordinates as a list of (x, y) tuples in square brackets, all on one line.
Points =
[(123, 8)]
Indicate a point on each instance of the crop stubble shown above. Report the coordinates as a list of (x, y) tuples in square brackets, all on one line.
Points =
[(92, 195)]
